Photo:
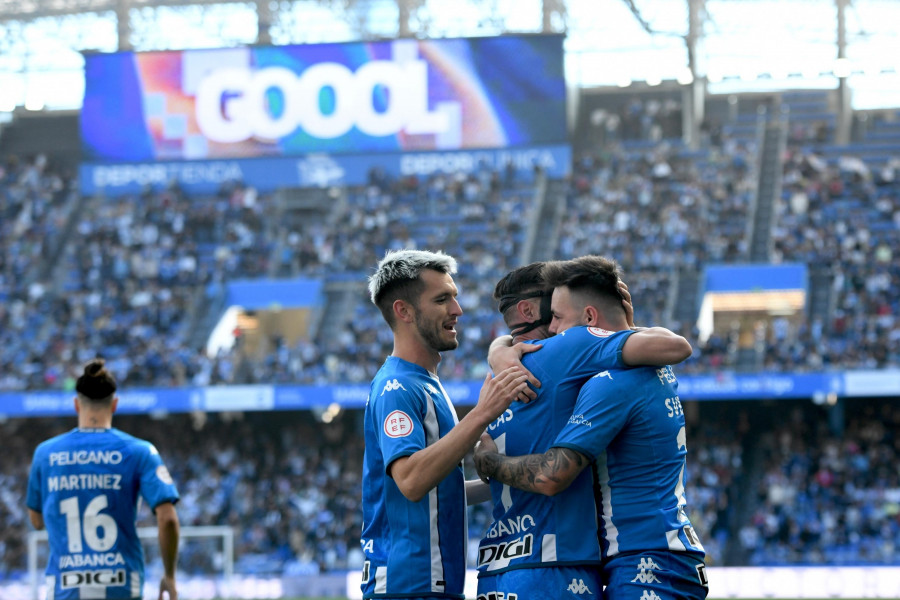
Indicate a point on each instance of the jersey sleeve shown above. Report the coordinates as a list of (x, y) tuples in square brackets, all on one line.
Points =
[(579, 351), (399, 420), (157, 485), (600, 413)]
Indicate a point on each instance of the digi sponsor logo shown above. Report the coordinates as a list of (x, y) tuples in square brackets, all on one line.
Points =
[(645, 571), (392, 385), (599, 332), (578, 586), (72, 579), (398, 424), (506, 550)]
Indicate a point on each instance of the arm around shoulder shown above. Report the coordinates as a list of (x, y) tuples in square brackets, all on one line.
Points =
[(655, 346)]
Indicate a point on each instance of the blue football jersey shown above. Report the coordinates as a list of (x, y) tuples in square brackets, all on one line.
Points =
[(87, 484), (412, 549), (631, 422), (534, 530)]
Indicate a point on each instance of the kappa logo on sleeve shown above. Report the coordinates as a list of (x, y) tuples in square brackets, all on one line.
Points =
[(398, 424), (392, 385)]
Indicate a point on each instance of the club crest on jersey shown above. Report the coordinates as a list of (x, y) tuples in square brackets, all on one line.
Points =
[(163, 474), (599, 332), (398, 424), (392, 385)]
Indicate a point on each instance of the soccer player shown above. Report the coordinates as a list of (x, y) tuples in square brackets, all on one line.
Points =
[(85, 486), (537, 546), (414, 491), (629, 423)]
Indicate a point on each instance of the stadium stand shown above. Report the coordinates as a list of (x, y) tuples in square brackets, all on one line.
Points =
[(130, 276)]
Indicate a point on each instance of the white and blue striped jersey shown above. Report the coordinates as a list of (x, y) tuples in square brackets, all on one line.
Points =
[(631, 422), (412, 549), (87, 484), (533, 530)]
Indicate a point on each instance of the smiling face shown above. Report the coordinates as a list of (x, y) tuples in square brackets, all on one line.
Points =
[(567, 311), (437, 311)]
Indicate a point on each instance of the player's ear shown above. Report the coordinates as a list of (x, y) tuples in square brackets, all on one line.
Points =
[(115, 403), (77, 404), (591, 316), (526, 309), (404, 311)]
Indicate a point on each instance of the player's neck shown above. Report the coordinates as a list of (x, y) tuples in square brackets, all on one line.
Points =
[(94, 419), (536, 334), (417, 354)]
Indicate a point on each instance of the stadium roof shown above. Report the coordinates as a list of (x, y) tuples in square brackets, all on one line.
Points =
[(23, 10)]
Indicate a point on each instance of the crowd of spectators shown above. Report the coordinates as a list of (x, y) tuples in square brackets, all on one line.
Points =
[(134, 273), (131, 278), (828, 497), (842, 215), (35, 203)]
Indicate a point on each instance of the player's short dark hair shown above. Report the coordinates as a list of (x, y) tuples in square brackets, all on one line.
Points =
[(595, 277), (520, 283), (97, 383), (398, 277)]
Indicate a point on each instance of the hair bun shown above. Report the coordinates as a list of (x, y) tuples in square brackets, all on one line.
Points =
[(97, 383), (95, 367)]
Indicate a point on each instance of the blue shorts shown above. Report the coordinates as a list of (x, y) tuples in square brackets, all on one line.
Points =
[(542, 583), (658, 575)]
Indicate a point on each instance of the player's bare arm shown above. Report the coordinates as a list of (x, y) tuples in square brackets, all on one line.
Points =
[(655, 346), (477, 491), (549, 473), (417, 474), (36, 518), (651, 345), (503, 354), (169, 531)]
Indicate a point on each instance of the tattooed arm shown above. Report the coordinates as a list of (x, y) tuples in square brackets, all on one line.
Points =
[(549, 473)]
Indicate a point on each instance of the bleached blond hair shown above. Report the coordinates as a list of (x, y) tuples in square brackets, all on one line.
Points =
[(398, 276)]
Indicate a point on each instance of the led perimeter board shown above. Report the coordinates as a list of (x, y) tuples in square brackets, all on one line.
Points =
[(353, 98)]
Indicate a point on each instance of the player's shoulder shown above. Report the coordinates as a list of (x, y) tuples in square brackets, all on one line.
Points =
[(399, 375), (584, 335), (133, 443), (52, 444), (623, 376)]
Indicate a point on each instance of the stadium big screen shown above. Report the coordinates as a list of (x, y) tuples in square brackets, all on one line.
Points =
[(323, 114)]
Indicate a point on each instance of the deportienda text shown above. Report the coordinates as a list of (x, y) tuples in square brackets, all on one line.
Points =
[(232, 105)]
